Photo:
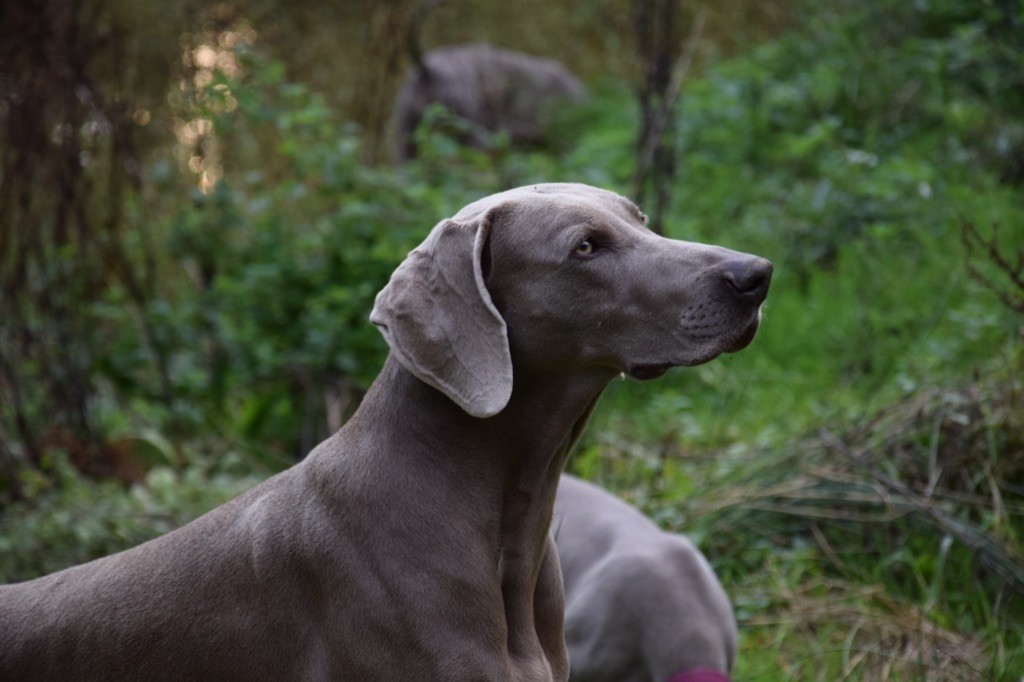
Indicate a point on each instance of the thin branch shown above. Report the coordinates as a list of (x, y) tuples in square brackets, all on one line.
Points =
[(1011, 266), (668, 103)]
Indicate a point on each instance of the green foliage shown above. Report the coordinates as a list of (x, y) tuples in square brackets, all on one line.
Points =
[(71, 520), (846, 130), (283, 256), (852, 158)]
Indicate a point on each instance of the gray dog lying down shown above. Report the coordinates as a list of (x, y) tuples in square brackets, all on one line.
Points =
[(414, 543), (641, 605), (491, 88)]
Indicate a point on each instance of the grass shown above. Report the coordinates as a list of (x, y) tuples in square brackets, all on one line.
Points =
[(889, 549)]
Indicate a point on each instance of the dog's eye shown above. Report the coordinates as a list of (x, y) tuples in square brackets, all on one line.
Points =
[(586, 247)]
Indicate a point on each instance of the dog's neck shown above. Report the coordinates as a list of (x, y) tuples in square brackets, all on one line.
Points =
[(511, 460), (500, 474), (555, 410)]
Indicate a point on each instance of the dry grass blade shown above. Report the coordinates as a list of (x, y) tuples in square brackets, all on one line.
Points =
[(876, 636)]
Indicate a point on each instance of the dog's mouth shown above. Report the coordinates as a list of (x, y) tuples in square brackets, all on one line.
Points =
[(748, 334), (647, 371)]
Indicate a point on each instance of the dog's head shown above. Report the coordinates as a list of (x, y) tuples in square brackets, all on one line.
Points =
[(559, 278)]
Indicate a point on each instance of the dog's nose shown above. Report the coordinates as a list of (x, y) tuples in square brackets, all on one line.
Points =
[(749, 277)]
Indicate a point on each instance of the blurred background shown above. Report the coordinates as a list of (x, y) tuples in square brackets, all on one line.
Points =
[(199, 201)]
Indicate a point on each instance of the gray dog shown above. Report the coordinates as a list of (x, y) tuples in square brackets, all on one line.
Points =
[(641, 605), (490, 88), (413, 544)]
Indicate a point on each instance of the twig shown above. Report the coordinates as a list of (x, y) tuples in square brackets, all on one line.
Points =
[(974, 243), (668, 103)]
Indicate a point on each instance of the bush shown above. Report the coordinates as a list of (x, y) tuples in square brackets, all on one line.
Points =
[(70, 519)]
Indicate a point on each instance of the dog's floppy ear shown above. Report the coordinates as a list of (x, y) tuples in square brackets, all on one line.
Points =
[(440, 322)]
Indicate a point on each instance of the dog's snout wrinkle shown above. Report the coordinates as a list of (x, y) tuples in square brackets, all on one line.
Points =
[(749, 277)]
